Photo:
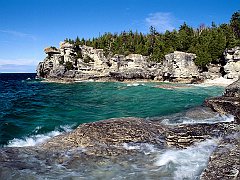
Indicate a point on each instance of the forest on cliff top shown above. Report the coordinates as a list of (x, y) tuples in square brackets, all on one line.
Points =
[(208, 43)]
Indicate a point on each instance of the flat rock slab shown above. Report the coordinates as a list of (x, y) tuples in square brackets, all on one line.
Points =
[(108, 136)]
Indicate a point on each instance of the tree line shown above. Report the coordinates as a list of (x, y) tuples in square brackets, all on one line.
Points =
[(208, 43)]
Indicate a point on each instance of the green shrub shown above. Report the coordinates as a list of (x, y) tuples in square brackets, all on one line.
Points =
[(69, 65), (87, 59), (61, 61)]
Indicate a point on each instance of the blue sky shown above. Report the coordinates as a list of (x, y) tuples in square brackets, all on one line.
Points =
[(28, 26)]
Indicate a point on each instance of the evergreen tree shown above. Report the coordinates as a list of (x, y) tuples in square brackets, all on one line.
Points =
[(208, 43), (235, 23), (186, 35)]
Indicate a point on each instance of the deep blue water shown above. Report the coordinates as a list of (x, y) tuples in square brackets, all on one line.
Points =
[(30, 107)]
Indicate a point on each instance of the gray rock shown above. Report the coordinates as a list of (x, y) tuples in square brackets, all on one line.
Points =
[(94, 65), (229, 103), (232, 67), (224, 162), (180, 65)]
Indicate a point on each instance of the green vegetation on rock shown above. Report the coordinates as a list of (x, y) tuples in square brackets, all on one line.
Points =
[(69, 65)]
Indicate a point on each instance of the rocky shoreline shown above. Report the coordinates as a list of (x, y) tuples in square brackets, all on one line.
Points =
[(106, 139)]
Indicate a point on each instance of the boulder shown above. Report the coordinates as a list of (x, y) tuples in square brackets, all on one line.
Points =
[(233, 90), (107, 137), (51, 50)]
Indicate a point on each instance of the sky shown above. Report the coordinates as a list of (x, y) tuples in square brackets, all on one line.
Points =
[(28, 26)]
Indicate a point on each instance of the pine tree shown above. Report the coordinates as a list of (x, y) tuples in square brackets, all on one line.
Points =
[(235, 23)]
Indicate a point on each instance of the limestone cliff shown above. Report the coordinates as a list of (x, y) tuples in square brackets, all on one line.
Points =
[(180, 65), (84, 63), (87, 63), (79, 63), (232, 67)]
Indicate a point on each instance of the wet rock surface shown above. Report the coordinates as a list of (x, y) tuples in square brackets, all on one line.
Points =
[(229, 103), (109, 135), (109, 142), (224, 162), (92, 144)]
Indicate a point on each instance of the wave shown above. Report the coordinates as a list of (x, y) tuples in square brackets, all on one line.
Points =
[(146, 148), (135, 84), (186, 120), (187, 163), (34, 140)]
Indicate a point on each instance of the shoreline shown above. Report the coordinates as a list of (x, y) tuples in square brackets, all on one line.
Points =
[(106, 138), (223, 82), (219, 82)]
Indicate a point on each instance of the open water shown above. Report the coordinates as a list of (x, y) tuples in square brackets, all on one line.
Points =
[(32, 111)]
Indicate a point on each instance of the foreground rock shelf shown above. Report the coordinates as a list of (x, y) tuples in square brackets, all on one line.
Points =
[(109, 135), (106, 138)]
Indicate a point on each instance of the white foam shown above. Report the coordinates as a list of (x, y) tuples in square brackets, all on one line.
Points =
[(219, 81), (135, 84), (216, 119), (34, 140), (201, 85), (187, 163), (142, 147)]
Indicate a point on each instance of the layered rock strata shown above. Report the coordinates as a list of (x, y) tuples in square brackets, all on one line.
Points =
[(232, 67), (106, 137), (85, 63), (76, 63), (229, 103), (224, 162)]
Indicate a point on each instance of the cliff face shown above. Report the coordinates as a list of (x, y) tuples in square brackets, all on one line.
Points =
[(179, 66), (232, 67), (85, 63)]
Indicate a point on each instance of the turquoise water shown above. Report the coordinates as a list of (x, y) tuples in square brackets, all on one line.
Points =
[(30, 107)]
